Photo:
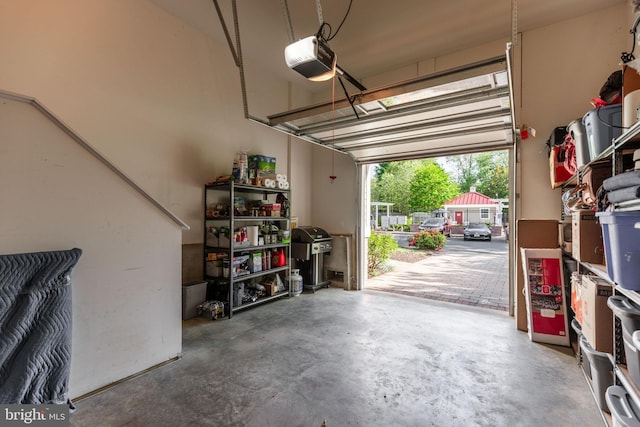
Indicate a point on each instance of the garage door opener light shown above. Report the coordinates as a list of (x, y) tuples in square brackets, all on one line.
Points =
[(312, 58)]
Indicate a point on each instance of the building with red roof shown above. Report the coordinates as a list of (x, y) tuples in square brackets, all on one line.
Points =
[(474, 207)]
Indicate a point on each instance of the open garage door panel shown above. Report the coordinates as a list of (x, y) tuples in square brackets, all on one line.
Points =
[(458, 111)]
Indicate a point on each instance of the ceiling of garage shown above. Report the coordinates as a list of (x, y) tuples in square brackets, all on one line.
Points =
[(464, 110)]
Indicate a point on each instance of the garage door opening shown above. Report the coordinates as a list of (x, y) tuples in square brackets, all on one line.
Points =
[(469, 266), (453, 112)]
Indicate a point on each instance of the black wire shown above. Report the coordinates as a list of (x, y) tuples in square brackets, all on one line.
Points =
[(343, 19), (626, 56), (601, 120), (320, 34)]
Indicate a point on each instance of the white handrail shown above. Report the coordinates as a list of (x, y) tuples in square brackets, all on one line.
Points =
[(84, 144)]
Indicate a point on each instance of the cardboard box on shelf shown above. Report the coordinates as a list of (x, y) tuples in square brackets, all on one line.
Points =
[(270, 288), (272, 209), (260, 166), (531, 233), (565, 232), (576, 296), (597, 317), (586, 238)]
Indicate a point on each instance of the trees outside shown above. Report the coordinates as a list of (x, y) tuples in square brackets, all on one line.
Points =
[(413, 185), (424, 185), (488, 172), (391, 184), (430, 187), (496, 183)]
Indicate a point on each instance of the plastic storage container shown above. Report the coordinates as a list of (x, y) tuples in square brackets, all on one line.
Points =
[(602, 125), (601, 370), (624, 411), (635, 339), (629, 314), (586, 366), (193, 293), (238, 294), (621, 239), (578, 133)]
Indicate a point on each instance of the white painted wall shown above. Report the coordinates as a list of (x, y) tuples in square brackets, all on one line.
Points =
[(335, 204), (162, 101), (155, 96), (57, 196), (563, 67)]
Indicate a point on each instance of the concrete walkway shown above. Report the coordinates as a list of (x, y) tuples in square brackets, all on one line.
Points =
[(473, 273)]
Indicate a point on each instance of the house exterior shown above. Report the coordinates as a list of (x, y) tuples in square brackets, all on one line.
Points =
[(474, 207)]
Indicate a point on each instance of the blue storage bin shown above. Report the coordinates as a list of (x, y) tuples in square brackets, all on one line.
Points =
[(621, 238)]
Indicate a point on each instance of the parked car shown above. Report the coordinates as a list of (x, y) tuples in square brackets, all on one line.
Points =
[(477, 231), (439, 224)]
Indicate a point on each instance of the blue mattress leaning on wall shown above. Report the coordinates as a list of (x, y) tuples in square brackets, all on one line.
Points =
[(35, 326)]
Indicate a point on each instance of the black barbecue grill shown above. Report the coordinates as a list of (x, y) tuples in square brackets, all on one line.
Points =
[(308, 246)]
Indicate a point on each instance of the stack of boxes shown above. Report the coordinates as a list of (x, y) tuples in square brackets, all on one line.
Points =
[(589, 296)]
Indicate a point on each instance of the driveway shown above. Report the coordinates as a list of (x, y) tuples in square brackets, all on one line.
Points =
[(464, 272)]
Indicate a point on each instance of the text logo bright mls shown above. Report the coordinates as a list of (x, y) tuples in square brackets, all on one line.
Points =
[(34, 415)]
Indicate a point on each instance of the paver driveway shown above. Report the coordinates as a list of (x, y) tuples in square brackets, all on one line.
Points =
[(464, 272)]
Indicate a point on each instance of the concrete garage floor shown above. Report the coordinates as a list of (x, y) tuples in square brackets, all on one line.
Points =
[(364, 358)]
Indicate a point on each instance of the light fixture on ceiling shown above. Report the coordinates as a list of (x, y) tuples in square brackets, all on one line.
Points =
[(312, 58)]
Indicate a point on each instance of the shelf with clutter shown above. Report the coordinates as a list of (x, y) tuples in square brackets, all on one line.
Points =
[(247, 226), (595, 161)]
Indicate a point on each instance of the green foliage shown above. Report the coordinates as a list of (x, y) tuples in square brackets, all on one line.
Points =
[(428, 239), (381, 169), (397, 227), (488, 172), (496, 183), (381, 246), (464, 171), (430, 187), (391, 184)]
